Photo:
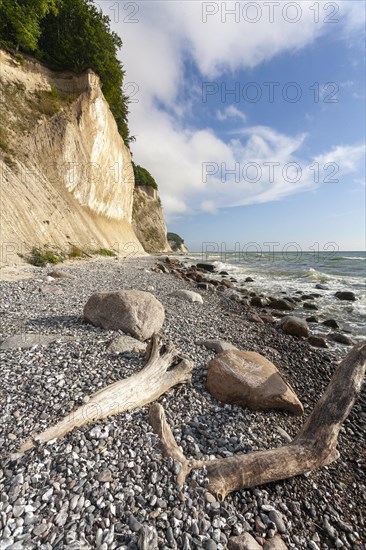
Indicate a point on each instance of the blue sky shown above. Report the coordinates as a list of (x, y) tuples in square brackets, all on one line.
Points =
[(234, 170)]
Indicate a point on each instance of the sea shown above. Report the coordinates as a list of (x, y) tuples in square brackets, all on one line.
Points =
[(293, 271)]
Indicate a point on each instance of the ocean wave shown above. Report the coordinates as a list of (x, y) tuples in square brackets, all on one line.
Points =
[(346, 258), (315, 275), (353, 258)]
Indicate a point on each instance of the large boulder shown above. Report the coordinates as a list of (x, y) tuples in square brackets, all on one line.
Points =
[(133, 311), (295, 326), (248, 379)]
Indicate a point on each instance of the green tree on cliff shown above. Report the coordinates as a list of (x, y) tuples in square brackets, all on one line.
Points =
[(79, 37), (20, 21), (69, 35)]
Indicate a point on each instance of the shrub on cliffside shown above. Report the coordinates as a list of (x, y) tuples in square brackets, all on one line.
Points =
[(143, 177), (176, 242)]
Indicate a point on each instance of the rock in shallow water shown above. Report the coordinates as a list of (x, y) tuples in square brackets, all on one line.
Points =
[(345, 295), (341, 339), (249, 380), (295, 326)]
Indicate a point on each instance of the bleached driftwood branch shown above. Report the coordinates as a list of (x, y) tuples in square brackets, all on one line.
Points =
[(165, 368)]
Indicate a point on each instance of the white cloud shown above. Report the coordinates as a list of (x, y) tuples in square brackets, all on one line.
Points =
[(231, 112), (154, 54)]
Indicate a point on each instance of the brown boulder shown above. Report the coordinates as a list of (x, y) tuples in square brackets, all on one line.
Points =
[(133, 311), (248, 379)]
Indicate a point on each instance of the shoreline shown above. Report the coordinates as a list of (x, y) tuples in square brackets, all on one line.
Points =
[(43, 383)]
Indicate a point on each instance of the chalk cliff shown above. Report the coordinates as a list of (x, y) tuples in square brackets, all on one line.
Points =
[(66, 175), (148, 220)]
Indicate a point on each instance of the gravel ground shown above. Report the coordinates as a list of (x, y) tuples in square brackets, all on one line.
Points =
[(105, 485)]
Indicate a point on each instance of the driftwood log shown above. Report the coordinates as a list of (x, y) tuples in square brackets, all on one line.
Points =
[(313, 447), (164, 369)]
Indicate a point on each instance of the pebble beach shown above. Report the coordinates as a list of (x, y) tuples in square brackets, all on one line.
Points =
[(107, 485)]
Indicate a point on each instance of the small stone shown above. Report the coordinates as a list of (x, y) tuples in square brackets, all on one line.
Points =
[(105, 476), (277, 519), (18, 511), (134, 524), (5, 543), (210, 498), (329, 529), (148, 538), (243, 542), (46, 497), (286, 437), (40, 529)]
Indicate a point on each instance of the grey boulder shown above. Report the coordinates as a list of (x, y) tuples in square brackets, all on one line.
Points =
[(133, 311)]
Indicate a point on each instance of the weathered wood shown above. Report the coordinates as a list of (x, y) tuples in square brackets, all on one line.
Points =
[(164, 369), (313, 447)]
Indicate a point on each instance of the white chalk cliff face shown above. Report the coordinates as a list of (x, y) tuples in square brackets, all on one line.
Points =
[(66, 175)]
